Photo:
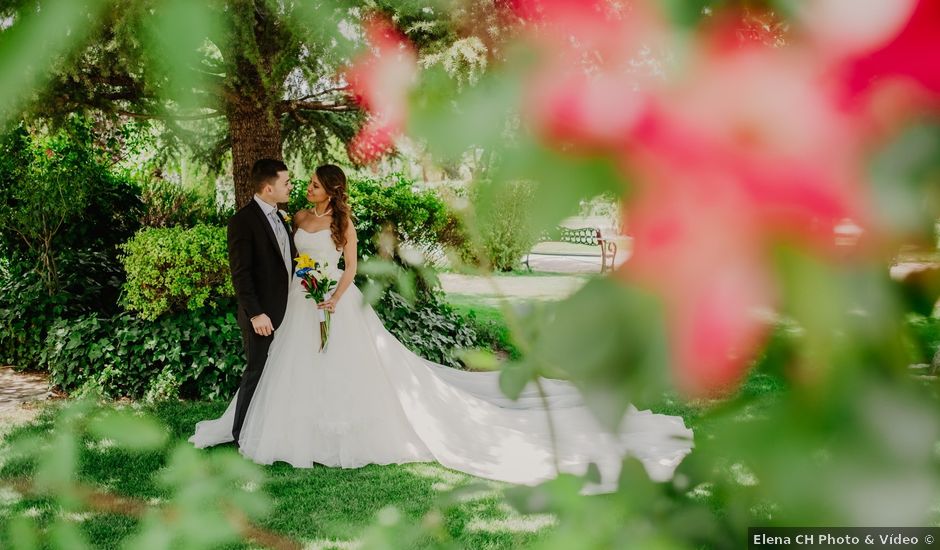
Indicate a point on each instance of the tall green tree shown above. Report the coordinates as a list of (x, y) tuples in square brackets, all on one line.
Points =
[(257, 78)]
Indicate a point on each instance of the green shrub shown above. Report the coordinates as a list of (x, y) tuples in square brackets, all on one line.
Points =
[(198, 354), (193, 354), (499, 232), (418, 218), (51, 271), (298, 196), (924, 334), (430, 327), (26, 313), (167, 204), (175, 269), (58, 194), (490, 326), (27, 310)]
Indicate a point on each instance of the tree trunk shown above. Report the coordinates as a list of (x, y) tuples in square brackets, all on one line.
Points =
[(256, 134)]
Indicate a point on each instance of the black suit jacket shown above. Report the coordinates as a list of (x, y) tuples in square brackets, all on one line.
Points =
[(258, 271)]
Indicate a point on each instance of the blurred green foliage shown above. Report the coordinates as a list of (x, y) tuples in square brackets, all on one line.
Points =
[(168, 204), (206, 500)]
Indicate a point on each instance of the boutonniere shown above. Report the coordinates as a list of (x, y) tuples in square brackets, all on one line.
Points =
[(285, 216)]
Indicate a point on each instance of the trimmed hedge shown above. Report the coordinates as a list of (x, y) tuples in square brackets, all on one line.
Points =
[(174, 269)]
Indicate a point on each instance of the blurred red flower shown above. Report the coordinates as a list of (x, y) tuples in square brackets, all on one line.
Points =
[(380, 80)]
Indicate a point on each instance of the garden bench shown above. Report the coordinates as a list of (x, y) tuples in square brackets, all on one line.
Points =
[(590, 236)]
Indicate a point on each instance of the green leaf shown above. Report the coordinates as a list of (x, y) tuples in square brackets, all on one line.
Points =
[(905, 173), (67, 536), (479, 359), (379, 268), (23, 533), (57, 466), (688, 13), (136, 433), (35, 40), (610, 340), (514, 376), (177, 32), (405, 284), (560, 181), (480, 112)]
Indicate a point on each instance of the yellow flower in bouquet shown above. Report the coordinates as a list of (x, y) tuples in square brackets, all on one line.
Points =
[(304, 261)]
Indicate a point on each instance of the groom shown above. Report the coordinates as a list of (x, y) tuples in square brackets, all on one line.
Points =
[(260, 252)]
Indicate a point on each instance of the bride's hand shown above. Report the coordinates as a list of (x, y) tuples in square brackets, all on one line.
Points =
[(329, 304)]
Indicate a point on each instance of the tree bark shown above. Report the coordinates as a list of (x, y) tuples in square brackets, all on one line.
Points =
[(256, 134)]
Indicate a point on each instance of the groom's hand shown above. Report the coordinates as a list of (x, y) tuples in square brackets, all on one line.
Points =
[(262, 325)]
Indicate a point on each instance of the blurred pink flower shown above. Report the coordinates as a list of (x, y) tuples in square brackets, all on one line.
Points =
[(742, 144), (737, 27), (380, 81), (746, 148), (762, 121), (553, 11), (587, 111), (910, 53), (373, 141), (840, 28), (698, 244), (595, 69)]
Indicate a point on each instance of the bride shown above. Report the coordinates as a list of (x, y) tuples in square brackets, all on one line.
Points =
[(367, 399)]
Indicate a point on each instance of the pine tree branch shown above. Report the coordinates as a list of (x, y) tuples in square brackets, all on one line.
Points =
[(167, 116), (295, 105)]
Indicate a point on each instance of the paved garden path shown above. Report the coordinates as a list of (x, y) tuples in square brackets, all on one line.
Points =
[(545, 287), (555, 278), (21, 387), (18, 391)]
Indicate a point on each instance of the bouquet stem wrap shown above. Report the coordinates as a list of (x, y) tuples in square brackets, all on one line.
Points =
[(314, 278)]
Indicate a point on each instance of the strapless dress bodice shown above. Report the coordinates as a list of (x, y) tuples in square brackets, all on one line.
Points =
[(319, 246)]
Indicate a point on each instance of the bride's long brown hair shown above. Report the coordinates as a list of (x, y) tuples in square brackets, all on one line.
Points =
[(333, 180)]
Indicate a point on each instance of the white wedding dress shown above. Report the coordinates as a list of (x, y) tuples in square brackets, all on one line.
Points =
[(369, 400)]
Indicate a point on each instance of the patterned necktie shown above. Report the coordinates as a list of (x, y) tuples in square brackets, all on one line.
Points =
[(281, 234)]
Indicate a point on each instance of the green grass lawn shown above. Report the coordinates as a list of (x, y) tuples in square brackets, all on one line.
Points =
[(319, 507), (490, 322), (482, 310)]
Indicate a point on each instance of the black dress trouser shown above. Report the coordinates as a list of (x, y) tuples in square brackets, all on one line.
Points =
[(256, 350)]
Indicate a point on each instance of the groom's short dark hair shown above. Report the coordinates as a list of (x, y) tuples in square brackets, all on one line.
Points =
[(265, 170)]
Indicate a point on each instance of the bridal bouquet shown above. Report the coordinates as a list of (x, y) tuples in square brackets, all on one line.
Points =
[(318, 285)]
